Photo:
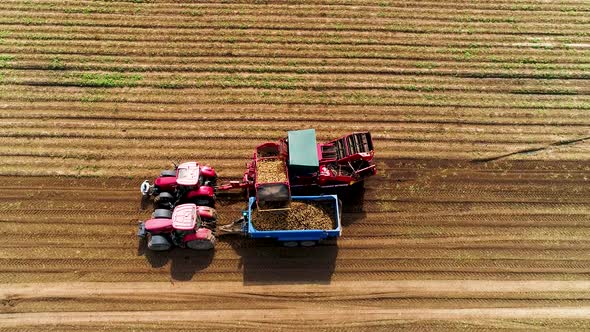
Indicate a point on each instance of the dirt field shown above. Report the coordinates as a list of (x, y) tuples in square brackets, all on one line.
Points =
[(479, 217)]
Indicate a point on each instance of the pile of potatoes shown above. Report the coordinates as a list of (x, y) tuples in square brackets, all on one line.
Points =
[(270, 170), (299, 217)]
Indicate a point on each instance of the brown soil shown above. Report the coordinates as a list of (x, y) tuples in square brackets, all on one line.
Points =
[(501, 241), (479, 216)]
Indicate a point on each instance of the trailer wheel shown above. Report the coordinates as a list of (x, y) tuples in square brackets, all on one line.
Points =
[(308, 243), (162, 214), (168, 173), (290, 244), (158, 243)]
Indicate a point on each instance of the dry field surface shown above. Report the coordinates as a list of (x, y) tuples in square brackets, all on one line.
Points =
[(479, 216)]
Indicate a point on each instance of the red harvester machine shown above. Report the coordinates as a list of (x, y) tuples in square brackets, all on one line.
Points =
[(308, 165)]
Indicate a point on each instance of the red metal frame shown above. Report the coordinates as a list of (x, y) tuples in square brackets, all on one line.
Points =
[(333, 170)]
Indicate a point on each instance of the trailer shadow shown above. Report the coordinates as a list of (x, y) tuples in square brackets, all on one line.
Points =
[(184, 263), (267, 262), (264, 262)]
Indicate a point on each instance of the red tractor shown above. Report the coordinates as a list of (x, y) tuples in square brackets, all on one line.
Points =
[(189, 226), (189, 182)]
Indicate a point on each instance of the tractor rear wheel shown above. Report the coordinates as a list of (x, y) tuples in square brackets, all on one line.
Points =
[(162, 214), (158, 243), (165, 196), (164, 200), (202, 244), (168, 173)]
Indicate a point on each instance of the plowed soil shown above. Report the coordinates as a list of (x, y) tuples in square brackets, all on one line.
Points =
[(478, 218)]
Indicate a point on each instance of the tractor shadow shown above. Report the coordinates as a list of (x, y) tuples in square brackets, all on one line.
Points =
[(145, 203), (266, 262), (184, 262)]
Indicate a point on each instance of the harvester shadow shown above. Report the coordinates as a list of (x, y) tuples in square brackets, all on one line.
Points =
[(353, 199), (184, 263), (265, 262)]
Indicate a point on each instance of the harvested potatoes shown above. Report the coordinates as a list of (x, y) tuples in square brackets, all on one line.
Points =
[(270, 170), (301, 216)]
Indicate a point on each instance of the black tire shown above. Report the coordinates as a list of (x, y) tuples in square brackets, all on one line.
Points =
[(202, 244), (162, 214), (165, 197), (168, 173), (164, 200), (308, 243), (158, 243), (204, 201)]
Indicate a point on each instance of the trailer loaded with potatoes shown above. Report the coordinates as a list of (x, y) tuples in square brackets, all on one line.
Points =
[(296, 163), (308, 220)]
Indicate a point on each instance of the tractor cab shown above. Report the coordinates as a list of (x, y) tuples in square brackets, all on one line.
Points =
[(184, 222), (185, 217), (187, 174)]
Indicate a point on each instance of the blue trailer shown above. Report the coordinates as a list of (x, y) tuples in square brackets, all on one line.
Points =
[(293, 238)]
